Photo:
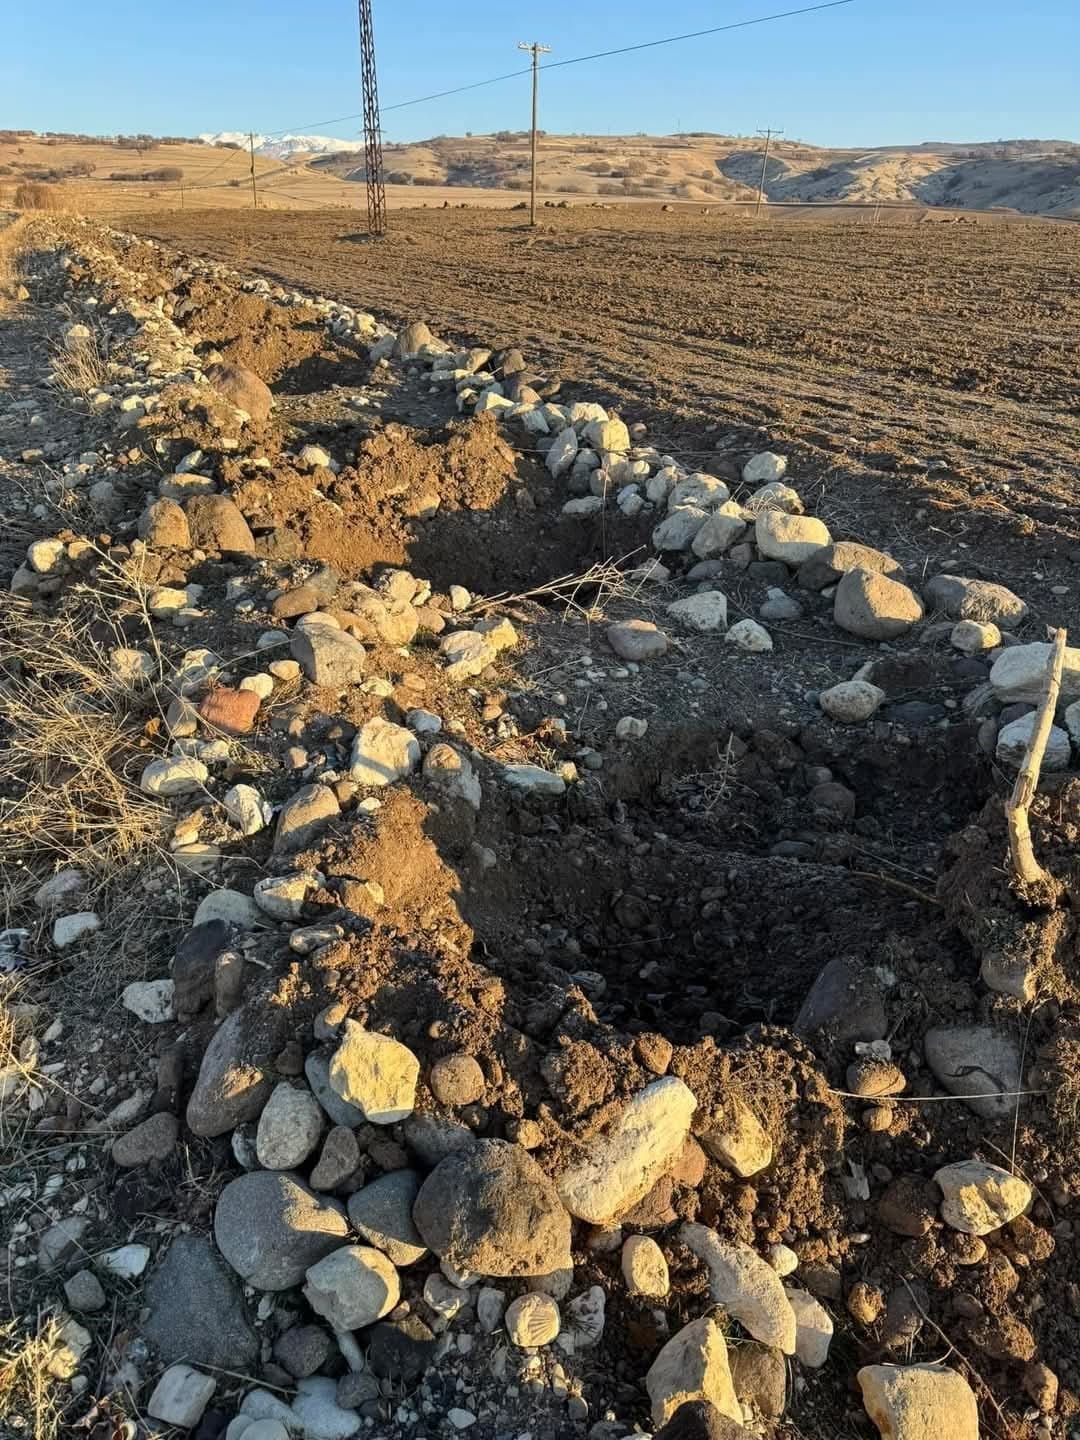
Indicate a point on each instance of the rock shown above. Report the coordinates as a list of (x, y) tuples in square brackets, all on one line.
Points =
[(631, 727), (68, 930), (83, 1292), (303, 818), (242, 388), (976, 1061), (317, 1413), (1041, 1386), (611, 435), (972, 638), (736, 1137), (828, 566), (1019, 673), (745, 1285), (908, 1206), (919, 1402), (151, 1140), (303, 1349), (65, 885), (693, 1365), (283, 897), (232, 907), (846, 1000), (62, 1241), (763, 468), (619, 1168), (382, 1213), (131, 668), (229, 1089), (375, 1073), (748, 635), (457, 1080), (644, 1268), (401, 1350), (45, 556), (150, 1000), (173, 775), (637, 640), (813, 1328), (790, 538), (874, 607), (1013, 740), (352, 1287), (329, 658), (164, 526), (705, 611), (217, 525), (232, 712), (699, 491), (961, 598), (467, 653), (453, 773), (382, 753), (851, 702), (491, 1210), (340, 1159), (701, 1420), (533, 1320), (271, 1228), (720, 531), (533, 779), (246, 808), (432, 1139), (180, 1397), (979, 1198), (759, 1374), (679, 528), (317, 1073), (314, 457), (127, 1262), (561, 455), (289, 1128)]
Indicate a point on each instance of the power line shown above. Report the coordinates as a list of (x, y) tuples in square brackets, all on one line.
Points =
[(575, 60)]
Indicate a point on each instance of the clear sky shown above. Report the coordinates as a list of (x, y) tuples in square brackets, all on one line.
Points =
[(872, 72)]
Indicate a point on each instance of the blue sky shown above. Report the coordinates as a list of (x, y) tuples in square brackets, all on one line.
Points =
[(872, 72)]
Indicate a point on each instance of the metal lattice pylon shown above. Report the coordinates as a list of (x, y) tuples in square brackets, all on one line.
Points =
[(373, 161)]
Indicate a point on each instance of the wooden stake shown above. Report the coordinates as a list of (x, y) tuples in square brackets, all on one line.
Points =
[(1025, 867)]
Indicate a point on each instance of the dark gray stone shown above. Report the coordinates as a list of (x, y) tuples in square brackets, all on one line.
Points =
[(846, 999), (400, 1349), (271, 1228), (197, 1310)]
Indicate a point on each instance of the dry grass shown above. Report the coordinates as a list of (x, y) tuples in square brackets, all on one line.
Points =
[(36, 195), (72, 754), (13, 240), (30, 1394), (80, 366)]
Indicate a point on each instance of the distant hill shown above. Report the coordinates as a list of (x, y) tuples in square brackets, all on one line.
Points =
[(1036, 177)]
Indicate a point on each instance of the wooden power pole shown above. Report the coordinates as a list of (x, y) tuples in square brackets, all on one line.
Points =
[(768, 134), (251, 155), (535, 51), (373, 157)]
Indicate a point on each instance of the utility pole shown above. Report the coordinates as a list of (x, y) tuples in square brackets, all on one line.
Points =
[(373, 158), (251, 153), (768, 134), (535, 51)]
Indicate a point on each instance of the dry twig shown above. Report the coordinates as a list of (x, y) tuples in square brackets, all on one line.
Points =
[(1026, 868)]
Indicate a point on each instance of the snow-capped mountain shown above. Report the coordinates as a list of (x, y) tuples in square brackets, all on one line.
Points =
[(280, 147)]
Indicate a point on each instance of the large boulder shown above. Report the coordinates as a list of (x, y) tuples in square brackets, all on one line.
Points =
[(329, 657), (271, 1228), (693, 1365), (962, 598), (874, 607), (790, 538), (825, 567), (745, 1285), (619, 1167), (919, 1402), (216, 524), (1019, 673), (979, 1063), (242, 388), (492, 1210), (232, 1087)]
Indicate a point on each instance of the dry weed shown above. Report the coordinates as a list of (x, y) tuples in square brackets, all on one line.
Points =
[(72, 755), (80, 366), (30, 1398), (13, 240)]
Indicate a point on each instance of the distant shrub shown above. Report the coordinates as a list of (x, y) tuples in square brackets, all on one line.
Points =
[(34, 195), (609, 189), (166, 172)]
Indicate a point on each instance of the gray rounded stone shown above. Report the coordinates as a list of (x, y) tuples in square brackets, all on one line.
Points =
[(382, 1213), (271, 1228)]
